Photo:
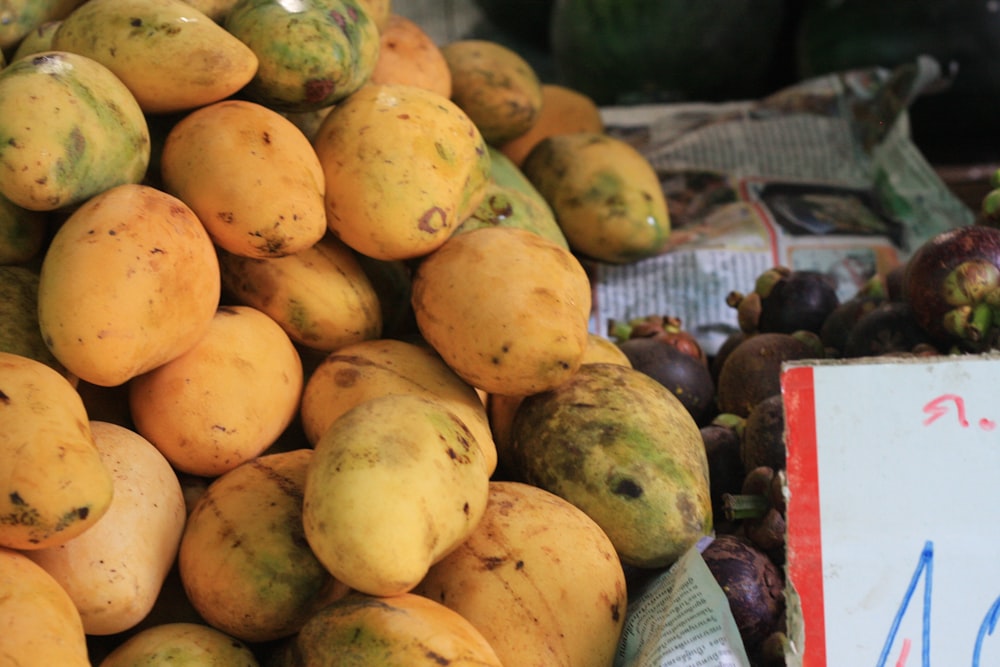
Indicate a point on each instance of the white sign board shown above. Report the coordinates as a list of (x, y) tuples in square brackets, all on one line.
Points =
[(893, 476)]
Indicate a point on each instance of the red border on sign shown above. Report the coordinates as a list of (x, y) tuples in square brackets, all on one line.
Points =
[(803, 542)]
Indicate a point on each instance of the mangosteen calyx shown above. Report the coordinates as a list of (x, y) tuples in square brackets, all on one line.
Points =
[(973, 288), (738, 506), (952, 283)]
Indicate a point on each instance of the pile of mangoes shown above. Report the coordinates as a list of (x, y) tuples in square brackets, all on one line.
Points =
[(296, 364)]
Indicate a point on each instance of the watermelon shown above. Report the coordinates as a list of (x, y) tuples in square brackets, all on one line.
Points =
[(527, 19), (626, 51)]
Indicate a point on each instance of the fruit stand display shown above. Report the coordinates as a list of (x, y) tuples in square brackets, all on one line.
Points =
[(298, 363)]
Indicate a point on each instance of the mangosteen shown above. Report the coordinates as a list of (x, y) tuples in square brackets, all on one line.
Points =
[(719, 358), (889, 328), (759, 511), (666, 328), (895, 283), (686, 377), (952, 283), (752, 583), (797, 301), (725, 466), (766, 529), (785, 301), (763, 441), (841, 321), (752, 370)]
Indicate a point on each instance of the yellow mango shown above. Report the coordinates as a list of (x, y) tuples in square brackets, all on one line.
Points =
[(226, 399), (404, 166), (507, 309), (217, 10), (71, 131), (250, 175), (605, 194), (38, 621), (538, 578), (379, 10), (20, 17), (495, 85), (170, 55), (244, 561), (181, 643), (409, 55), (394, 484), (114, 571), (129, 281), (564, 110), (36, 41), (400, 631), (53, 483), (368, 369), (321, 295)]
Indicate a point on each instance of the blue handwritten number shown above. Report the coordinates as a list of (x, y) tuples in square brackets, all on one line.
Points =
[(987, 627), (926, 563)]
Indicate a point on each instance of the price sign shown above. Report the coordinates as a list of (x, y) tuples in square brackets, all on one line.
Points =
[(893, 549)]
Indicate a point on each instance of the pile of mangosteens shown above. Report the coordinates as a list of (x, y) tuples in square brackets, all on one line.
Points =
[(944, 300)]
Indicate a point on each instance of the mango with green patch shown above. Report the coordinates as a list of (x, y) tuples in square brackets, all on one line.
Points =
[(69, 130), (622, 448), (310, 54), (606, 195)]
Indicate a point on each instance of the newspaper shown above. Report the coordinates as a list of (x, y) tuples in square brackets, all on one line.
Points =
[(681, 619), (821, 176)]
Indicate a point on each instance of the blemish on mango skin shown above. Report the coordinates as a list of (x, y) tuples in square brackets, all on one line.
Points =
[(426, 222), (627, 488), (493, 562), (438, 658), (500, 206), (317, 90), (72, 516), (346, 377)]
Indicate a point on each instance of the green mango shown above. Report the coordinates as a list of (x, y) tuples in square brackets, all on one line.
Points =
[(310, 54), (511, 207), (621, 447)]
